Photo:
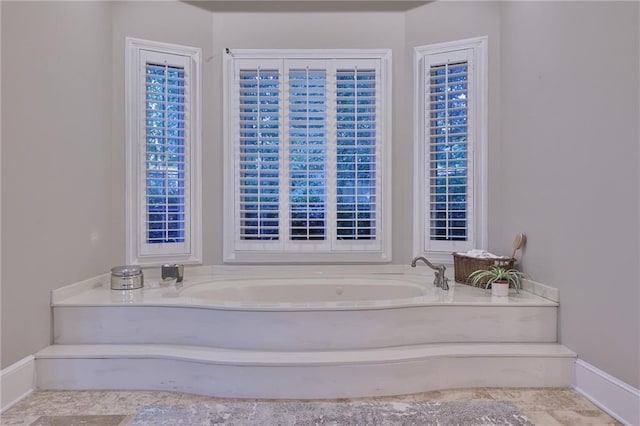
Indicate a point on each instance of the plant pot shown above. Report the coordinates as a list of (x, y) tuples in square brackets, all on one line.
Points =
[(500, 288)]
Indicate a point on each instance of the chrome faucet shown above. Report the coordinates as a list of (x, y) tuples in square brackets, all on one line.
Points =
[(440, 280)]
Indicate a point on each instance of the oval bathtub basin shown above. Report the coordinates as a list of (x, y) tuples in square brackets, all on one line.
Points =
[(304, 290)]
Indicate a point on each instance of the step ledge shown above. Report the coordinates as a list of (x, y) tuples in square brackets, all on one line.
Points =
[(261, 358)]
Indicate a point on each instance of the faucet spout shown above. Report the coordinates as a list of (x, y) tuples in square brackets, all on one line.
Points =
[(415, 260), (440, 279)]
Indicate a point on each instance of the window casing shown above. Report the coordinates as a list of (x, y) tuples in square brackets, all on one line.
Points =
[(162, 153), (307, 156), (450, 211)]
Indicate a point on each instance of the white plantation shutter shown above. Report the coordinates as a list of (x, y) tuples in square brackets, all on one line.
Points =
[(163, 143), (166, 132), (356, 153), (307, 107), (450, 183), (259, 152), (307, 150), (452, 114)]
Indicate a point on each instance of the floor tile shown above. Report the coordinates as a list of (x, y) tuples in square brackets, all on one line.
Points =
[(19, 419), (46, 403), (543, 399), (583, 418), (543, 406), (541, 418), (476, 394), (92, 420)]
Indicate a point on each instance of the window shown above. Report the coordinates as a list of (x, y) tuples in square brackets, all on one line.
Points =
[(163, 149), (307, 147), (450, 158)]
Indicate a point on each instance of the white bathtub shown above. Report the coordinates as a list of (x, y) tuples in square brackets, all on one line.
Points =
[(305, 290)]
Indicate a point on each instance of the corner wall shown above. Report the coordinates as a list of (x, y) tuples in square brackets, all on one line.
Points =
[(440, 22), (56, 135), (315, 30), (570, 108), (170, 22)]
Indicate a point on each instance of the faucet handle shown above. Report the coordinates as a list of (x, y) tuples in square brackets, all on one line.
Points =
[(437, 280), (173, 271), (445, 283)]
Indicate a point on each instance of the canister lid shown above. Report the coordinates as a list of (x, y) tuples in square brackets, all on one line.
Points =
[(127, 271)]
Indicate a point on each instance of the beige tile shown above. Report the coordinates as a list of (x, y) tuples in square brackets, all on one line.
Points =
[(101, 420), (475, 394), (17, 419), (61, 403), (541, 418), (189, 398), (543, 399), (126, 420), (543, 406), (583, 418)]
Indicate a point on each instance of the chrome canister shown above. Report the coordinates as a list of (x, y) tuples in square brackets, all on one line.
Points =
[(127, 277)]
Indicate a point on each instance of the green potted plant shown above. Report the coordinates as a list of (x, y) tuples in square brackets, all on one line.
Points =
[(499, 278)]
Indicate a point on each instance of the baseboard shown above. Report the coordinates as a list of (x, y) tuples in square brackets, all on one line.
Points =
[(612, 395), (17, 382)]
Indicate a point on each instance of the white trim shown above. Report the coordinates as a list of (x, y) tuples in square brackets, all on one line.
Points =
[(306, 53), (479, 64), (366, 252), (610, 394), (17, 382), (134, 236)]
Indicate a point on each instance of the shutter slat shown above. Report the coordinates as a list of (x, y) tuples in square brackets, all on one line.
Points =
[(265, 107), (165, 161), (259, 153), (356, 97), (307, 108), (447, 103)]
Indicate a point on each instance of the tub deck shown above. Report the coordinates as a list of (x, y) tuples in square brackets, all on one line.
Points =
[(98, 293)]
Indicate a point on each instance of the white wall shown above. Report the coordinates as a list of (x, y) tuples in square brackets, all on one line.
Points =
[(54, 64), (319, 30), (56, 132), (440, 22), (570, 112), (170, 22), (563, 154), (213, 30)]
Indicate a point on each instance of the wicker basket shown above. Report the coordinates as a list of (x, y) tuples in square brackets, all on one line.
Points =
[(463, 266)]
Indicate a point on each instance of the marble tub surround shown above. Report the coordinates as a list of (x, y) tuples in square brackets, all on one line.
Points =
[(548, 407), (302, 375), (174, 316), (542, 290), (189, 338)]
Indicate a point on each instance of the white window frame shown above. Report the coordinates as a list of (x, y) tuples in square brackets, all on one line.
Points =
[(137, 250), (360, 251), (440, 252)]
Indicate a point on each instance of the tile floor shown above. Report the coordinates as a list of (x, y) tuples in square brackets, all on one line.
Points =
[(547, 407)]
